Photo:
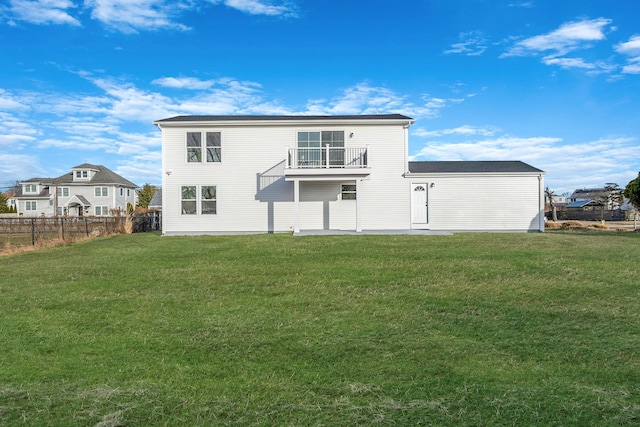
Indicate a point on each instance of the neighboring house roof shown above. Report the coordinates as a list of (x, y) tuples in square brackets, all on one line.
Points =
[(83, 200), (588, 193), (283, 118), (102, 176), (156, 200), (583, 203), (472, 167)]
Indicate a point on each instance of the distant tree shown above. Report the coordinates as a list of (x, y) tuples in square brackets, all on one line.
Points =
[(613, 196), (145, 194), (3, 204), (632, 192), (550, 196)]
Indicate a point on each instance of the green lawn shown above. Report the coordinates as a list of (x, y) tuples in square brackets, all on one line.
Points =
[(473, 329)]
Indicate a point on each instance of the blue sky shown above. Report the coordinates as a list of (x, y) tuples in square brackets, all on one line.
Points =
[(553, 83)]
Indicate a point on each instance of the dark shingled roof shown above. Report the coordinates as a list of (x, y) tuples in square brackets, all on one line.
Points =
[(282, 118), (102, 176), (472, 167)]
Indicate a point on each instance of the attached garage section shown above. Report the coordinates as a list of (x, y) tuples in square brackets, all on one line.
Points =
[(479, 196)]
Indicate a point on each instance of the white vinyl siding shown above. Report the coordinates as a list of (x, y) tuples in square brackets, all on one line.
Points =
[(484, 202), (254, 196)]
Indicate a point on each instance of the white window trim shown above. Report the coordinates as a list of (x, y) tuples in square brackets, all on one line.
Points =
[(101, 192), (343, 192), (199, 200), (203, 147), (103, 209)]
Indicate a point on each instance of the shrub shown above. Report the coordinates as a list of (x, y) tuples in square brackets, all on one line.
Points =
[(573, 224)]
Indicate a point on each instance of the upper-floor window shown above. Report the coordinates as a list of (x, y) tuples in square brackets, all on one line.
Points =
[(30, 188), (207, 142), (63, 191), (310, 144), (331, 138), (30, 205), (101, 191), (82, 174)]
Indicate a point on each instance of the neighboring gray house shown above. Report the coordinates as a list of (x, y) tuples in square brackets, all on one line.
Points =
[(87, 190)]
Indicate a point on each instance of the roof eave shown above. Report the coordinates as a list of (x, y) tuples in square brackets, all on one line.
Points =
[(285, 122)]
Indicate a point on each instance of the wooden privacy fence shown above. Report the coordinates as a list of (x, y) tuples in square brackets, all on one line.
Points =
[(17, 232), (589, 215)]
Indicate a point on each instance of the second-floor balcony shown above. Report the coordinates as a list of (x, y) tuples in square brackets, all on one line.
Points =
[(327, 158)]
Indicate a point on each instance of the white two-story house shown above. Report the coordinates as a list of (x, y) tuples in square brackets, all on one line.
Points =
[(91, 190), (235, 174)]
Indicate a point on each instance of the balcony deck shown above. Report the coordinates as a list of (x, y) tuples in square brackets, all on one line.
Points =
[(327, 162)]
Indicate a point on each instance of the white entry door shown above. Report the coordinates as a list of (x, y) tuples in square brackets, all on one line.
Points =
[(419, 206)]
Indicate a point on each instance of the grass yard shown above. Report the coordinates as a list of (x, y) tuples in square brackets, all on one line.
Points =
[(473, 329)]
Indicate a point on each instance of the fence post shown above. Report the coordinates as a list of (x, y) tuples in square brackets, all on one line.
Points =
[(62, 227), (33, 231), (86, 226)]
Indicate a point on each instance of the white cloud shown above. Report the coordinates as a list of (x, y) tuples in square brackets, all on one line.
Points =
[(567, 166), (631, 69), (256, 7), (569, 63), (363, 98), (460, 130), (184, 83), (14, 133), (8, 101), (526, 4), (20, 165), (42, 11), (568, 37), (471, 44), (631, 48), (130, 16)]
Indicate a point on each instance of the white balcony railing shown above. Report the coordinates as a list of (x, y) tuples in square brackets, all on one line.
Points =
[(327, 157)]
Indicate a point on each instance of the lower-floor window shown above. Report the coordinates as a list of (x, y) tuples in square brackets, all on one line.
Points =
[(102, 210), (189, 199), (31, 205), (348, 192), (208, 201), (198, 199)]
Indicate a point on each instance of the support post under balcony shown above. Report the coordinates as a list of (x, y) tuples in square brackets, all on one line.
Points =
[(296, 206)]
